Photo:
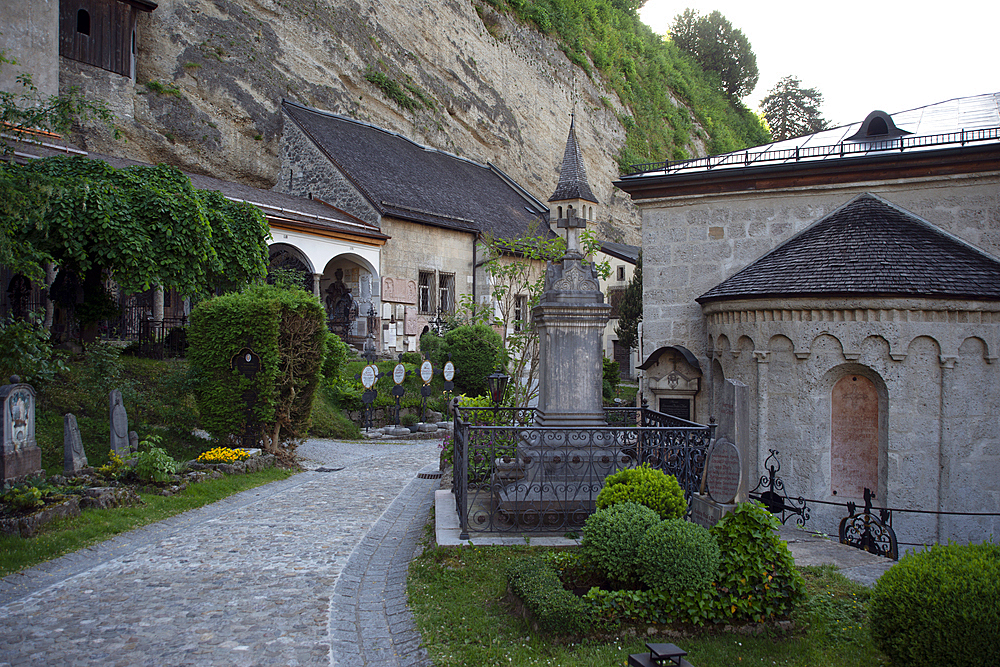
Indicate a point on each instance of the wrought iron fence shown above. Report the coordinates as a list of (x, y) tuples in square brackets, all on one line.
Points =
[(842, 149), (512, 476)]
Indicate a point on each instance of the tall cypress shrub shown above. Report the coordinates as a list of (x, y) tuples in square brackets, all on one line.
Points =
[(285, 329)]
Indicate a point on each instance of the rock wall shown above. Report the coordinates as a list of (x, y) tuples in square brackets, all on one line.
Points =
[(210, 77)]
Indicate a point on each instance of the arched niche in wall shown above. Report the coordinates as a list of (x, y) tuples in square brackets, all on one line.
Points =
[(858, 434), (673, 376)]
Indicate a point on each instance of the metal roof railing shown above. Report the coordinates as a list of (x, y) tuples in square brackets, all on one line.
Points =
[(749, 158)]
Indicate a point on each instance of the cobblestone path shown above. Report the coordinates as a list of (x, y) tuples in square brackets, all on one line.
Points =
[(307, 571)]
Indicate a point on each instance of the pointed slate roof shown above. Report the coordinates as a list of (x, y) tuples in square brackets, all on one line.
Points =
[(406, 180), (573, 182), (868, 247)]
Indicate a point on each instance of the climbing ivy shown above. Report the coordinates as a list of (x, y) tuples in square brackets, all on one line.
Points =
[(143, 225)]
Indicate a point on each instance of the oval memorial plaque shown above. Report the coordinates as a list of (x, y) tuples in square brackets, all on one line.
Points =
[(449, 371), (399, 373), (368, 376), (426, 371), (723, 472)]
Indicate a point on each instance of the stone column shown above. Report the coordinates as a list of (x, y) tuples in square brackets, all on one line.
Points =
[(316, 291), (570, 321), (944, 467), (158, 304)]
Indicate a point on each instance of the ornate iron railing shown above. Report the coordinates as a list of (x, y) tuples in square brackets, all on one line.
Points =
[(512, 476), (750, 158)]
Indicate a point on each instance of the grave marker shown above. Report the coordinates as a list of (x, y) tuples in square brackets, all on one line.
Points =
[(119, 424), (74, 458), (21, 455)]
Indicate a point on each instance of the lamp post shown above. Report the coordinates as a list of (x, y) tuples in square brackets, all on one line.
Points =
[(497, 382)]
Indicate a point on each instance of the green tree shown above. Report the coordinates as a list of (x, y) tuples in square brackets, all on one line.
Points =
[(718, 47), (141, 226), (793, 111), (630, 310)]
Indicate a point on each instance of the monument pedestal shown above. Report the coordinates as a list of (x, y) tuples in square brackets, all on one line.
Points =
[(706, 512)]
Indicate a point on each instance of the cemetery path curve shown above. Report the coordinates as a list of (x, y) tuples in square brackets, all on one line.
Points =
[(306, 571)]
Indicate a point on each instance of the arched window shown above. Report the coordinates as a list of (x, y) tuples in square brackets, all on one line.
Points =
[(83, 21), (877, 127), (560, 213)]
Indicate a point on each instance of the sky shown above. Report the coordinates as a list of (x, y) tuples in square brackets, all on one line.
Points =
[(862, 55)]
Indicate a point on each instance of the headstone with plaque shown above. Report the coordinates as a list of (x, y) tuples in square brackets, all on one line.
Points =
[(21, 456), (398, 390), (726, 475), (119, 424)]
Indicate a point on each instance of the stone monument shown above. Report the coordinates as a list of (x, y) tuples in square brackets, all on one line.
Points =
[(727, 467), (74, 458), (21, 456), (119, 424), (558, 472)]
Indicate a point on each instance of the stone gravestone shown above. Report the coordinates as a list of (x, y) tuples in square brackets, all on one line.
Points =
[(21, 456), (727, 472), (119, 424), (133, 442), (74, 458)]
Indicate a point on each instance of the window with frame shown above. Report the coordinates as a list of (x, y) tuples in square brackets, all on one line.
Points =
[(425, 288), (621, 273), (446, 292), (520, 311)]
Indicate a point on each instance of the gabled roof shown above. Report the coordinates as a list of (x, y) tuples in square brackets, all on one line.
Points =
[(573, 182), (622, 251), (867, 247), (406, 180)]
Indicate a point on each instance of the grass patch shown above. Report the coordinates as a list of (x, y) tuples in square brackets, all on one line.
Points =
[(457, 598), (92, 526)]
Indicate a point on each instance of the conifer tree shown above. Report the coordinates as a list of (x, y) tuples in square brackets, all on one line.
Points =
[(793, 111)]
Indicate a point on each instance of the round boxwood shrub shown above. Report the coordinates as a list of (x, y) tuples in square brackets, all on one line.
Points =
[(677, 555), (611, 539), (940, 607), (646, 486)]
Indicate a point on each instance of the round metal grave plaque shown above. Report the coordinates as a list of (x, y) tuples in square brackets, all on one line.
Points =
[(723, 472), (449, 371), (368, 374), (399, 373), (426, 371)]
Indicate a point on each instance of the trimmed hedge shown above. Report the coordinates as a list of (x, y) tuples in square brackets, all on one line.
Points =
[(646, 486), (677, 555), (611, 539), (285, 328), (940, 606), (555, 609)]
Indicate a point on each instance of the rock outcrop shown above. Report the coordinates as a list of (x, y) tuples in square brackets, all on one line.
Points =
[(210, 77)]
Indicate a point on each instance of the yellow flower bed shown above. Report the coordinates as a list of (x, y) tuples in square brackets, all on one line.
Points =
[(223, 455)]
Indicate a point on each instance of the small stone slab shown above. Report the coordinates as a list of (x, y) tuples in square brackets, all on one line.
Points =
[(427, 428)]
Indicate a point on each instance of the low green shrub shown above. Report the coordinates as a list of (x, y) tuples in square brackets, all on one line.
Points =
[(940, 607), (555, 609), (610, 608), (152, 463), (676, 555), (646, 486), (611, 538), (757, 576)]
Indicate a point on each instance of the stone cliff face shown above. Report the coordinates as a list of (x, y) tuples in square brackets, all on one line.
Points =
[(211, 75)]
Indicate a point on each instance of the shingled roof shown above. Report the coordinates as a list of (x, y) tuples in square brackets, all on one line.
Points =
[(573, 182), (406, 180), (867, 247)]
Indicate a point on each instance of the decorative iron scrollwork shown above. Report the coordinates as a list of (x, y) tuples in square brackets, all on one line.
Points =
[(868, 532), (770, 491)]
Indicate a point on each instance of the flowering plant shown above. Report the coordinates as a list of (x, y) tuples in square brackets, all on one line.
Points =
[(223, 455)]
